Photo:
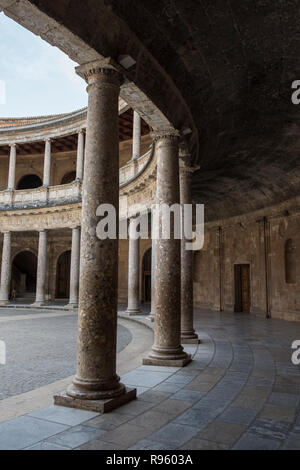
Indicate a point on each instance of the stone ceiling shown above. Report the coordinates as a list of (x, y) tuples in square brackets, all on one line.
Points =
[(232, 63)]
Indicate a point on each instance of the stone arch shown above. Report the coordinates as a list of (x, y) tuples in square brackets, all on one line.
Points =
[(63, 275), (24, 274), (30, 181), (68, 177), (290, 262)]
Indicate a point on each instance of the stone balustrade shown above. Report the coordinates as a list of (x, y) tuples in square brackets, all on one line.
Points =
[(67, 193)]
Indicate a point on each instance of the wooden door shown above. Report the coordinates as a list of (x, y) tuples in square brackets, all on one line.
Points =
[(242, 288)]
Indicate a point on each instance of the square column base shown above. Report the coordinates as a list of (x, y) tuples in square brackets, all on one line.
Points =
[(71, 307), (39, 304), (134, 313), (190, 341), (149, 361), (99, 406)]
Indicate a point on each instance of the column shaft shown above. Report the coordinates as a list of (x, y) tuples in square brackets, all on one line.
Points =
[(167, 347), (75, 264), (96, 377), (188, 334), (136, 140), (133, 272), (41, 269), (5, 269), (47, 163), (12, 167), (80, 155)]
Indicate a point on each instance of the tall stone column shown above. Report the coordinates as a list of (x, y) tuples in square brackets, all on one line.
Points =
[(136, 139), (133, 272), (47, 163), (12, 168), (75, 264), (5, 269), (188, 334), (80, 155), (96, 385), (167, 349), (41, 270)]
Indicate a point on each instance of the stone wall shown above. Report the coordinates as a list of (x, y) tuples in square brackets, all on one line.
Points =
[(260, 243)]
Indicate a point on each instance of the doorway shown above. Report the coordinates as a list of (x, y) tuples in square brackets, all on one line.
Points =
[(147, 276), (242, 288), (63, 276)]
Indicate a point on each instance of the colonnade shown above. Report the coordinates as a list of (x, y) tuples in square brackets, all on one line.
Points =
[(11, 185), (41, 294), (96, 385)]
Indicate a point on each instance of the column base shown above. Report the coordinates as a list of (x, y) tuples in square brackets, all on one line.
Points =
[(99, 406), (39, 304), (151, 361), (71, 307), (3, 303), (190, 338), (134, 312)]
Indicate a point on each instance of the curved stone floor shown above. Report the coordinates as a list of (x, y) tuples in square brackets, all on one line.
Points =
[(40, 348), (241, 392)]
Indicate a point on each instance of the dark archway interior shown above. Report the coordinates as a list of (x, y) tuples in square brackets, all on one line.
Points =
[(24, 269), (63, 276), (30, 182), (147, 262), (69, 177)]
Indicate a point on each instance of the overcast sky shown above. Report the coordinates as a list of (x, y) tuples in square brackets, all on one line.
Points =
[(38, 78)]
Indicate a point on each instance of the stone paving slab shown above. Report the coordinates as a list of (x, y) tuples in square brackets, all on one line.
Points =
[(243, 401)]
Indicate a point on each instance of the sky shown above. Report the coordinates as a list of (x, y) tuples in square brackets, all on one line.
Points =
[(36, 78)]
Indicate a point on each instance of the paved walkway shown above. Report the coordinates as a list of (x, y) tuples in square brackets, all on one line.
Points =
[(241, 392)]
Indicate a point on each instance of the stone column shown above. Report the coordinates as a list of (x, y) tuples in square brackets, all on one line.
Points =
[(188, 334), (75, 264), (80, 155), (133, 271), (96, 385), (136, 139), (12, 167), (47, 163), (167, 349), (5, 269), (41, 270)]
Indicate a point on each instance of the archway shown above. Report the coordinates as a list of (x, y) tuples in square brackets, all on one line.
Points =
[(30, 182), (24, 270), (63, 276), (69, 177), (146, 267)]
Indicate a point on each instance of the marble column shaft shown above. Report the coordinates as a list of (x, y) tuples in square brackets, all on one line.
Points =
[(41, 269), (188, 334), (133, 271), (47, 163), (75, 265), (12, 167), (80, 155), (5, 268), (167, 347), (96, 377), (136, 139)]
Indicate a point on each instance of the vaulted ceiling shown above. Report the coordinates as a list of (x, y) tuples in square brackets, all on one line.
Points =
[(233, 63)]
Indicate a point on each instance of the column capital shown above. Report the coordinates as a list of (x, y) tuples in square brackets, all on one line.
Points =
[(106, 71), (81, 131), (166, 134), (14, 145), (48, 139)]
